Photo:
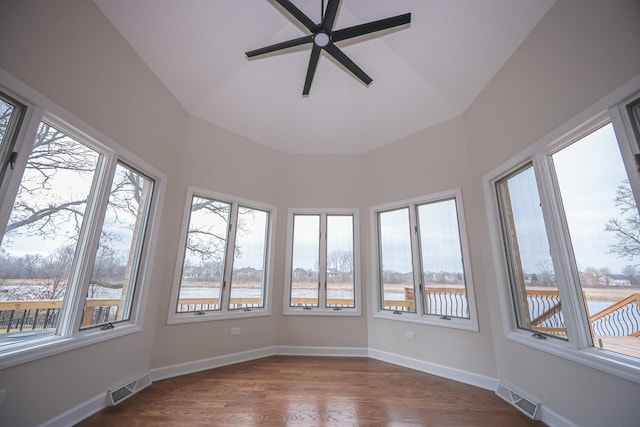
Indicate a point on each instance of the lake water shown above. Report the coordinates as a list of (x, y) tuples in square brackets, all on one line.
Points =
[(203, 292)]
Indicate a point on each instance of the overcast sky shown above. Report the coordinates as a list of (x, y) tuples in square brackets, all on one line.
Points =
[(589, 173)]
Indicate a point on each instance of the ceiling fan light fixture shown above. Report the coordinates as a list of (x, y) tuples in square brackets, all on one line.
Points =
[(321, 39)]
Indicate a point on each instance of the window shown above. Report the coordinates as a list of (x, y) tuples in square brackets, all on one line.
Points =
[(72, 249), (570, 226), (536, 297), (321, 263), (115, 268), (421, 264), (224, 259)]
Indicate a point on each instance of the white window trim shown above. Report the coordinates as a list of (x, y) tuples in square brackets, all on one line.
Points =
[(174, 317), (610, 108), (321, 310), (40, 107), (470, 324)]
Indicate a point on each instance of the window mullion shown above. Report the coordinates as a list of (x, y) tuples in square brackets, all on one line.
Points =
[(81, 269), (225, 292), (564, 263), (416, 261), (322, 263)]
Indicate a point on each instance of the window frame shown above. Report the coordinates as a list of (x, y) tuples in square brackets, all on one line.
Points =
[(12, 135), (69, 335), (322, 309), (175, 317), (470, 324), (613, 109)]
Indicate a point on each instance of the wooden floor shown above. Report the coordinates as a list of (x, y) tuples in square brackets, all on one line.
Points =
[(311, 391)]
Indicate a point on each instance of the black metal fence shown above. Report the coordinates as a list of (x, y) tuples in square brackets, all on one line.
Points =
[(622, 322), (28, 319)]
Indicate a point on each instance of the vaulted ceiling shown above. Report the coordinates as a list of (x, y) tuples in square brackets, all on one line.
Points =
[(424, 73)]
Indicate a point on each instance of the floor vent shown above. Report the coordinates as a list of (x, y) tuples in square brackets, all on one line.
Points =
[(118, 395), (524, 404)]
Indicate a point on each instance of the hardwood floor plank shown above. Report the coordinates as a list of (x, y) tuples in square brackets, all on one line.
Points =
[(311, 391)]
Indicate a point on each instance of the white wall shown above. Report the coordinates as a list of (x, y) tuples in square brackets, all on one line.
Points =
[(321, 181), (580, 51), (218, 160), (69, 52), (428, 162)]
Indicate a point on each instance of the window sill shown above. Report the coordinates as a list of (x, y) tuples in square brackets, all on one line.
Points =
[(453, 322), (612, 363), (192, 317), (48, 346)]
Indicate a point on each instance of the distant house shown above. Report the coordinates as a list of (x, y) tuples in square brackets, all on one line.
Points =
[(301, 275), (617, 280), (196, 272), (333, 273), (248, 274)]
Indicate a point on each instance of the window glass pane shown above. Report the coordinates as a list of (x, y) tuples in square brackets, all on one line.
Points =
[(533, 282), (40, 240), (249, 262), (441, 253), (203, 267), (305, 262), (340, 278), (396, 271), (604, 226), (114, 273)]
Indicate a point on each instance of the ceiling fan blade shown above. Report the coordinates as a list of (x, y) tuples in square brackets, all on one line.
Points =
[(279, 46), (349, 64), (298, 14), (330, 15), (311, 70), (371, 27)]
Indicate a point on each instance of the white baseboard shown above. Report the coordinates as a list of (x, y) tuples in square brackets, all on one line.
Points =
[(80, 412), (97, 403), (210, 363), (482, 381), (288, 350), (553, 419), (245, 356)]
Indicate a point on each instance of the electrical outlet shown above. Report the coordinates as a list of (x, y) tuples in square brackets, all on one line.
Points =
[(2, 393), (410, 335), (235, 331)]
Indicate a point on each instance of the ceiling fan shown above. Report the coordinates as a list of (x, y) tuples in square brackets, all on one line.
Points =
[(324, 37)]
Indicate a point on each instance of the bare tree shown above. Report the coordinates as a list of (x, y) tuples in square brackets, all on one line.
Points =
[(546, 275), (342, 261), (596, 277), (53, 152), (50, 281), (626, 226), (631, 273), (108, 264), (40, 211), (207, 241)]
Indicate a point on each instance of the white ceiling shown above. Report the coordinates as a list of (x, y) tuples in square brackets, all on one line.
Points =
[(423, 74)]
